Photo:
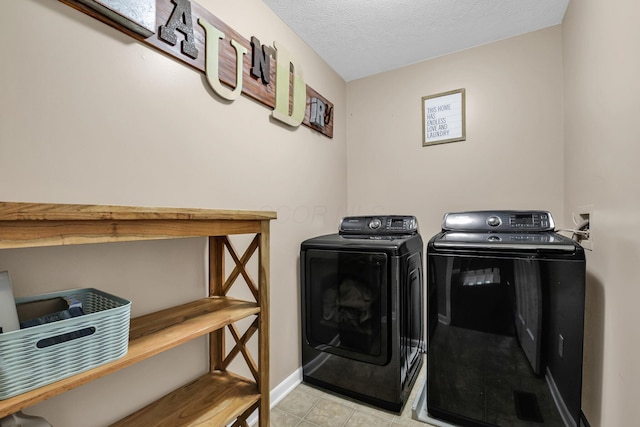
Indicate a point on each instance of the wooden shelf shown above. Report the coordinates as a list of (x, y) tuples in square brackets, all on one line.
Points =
[(31, 225), (215, 398), (148, 336)]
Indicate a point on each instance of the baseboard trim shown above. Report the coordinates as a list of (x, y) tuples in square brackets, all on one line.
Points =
[(280, 391)]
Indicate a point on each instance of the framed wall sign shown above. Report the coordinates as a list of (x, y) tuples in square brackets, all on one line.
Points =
[(443, 118)]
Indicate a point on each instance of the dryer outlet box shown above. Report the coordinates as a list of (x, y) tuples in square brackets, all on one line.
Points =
[(583, 220)]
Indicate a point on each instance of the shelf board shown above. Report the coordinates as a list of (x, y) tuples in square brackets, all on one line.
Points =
[(149, 335), (36, 224), (214, 399), (20, 211)]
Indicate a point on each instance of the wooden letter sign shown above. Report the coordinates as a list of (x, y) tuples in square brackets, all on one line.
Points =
[(232, 64)]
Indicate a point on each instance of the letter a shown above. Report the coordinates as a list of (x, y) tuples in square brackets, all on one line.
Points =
[(180, 20), (211, 61), (281, 112)]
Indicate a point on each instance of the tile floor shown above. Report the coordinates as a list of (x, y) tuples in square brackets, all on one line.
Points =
[(309, 406)]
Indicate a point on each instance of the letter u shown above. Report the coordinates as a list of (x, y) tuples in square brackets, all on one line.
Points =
[(211, 61)]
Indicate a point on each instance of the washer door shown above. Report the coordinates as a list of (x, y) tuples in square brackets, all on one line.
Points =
[(345, 304)]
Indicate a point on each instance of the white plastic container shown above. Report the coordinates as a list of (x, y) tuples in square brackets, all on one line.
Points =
[(8, 314), (39, 355)]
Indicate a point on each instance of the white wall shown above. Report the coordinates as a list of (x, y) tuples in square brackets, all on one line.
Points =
[(512, 157), (602, 105), (89, 115)]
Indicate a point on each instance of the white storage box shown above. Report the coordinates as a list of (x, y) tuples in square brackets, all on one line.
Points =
[(40, 355)]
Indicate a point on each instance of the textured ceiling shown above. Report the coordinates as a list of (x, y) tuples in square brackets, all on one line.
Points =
[(359, 38)]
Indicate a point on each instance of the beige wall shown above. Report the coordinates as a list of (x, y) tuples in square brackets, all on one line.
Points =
[(549, 125), (602, 105), (512, 157), (88, 115)]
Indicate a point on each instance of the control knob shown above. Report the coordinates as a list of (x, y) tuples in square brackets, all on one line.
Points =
[(375, 224), (493, 221)]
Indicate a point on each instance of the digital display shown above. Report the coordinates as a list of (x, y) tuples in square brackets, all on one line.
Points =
[(397, 223), (523, 219)]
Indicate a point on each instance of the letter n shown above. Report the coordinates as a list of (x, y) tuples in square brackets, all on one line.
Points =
[(260, 60), (180, 20), (284, 63)]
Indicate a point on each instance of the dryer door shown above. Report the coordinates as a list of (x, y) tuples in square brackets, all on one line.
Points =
[(345, 303)]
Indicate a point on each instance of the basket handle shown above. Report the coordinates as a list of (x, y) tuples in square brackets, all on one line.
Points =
[(68, 336)]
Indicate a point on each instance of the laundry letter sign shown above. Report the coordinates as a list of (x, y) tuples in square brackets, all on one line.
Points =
[(443, 117), (233, 65)]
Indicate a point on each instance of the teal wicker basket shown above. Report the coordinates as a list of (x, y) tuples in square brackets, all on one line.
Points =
[(43, 354)]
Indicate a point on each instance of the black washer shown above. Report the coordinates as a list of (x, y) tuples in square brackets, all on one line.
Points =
[(505, 321), (362, 305)]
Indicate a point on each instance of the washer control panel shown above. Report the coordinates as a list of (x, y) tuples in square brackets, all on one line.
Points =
[(379, 225), (499, 221)]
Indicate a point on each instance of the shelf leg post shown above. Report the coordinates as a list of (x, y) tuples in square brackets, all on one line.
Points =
[(263, 325), (216, 281)]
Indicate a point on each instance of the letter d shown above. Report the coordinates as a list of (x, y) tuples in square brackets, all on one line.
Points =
[(284, 61)]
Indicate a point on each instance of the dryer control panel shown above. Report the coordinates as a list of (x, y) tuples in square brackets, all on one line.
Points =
[(379, 225), (499, 221)]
